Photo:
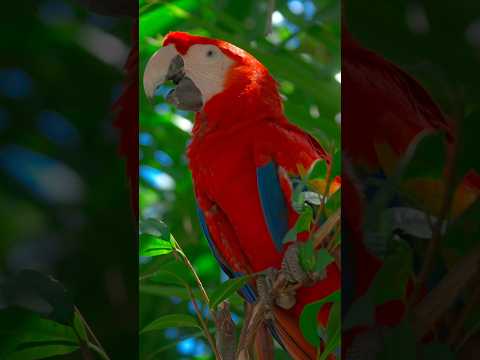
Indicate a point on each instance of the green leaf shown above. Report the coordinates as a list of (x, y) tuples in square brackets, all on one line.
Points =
[(79, 326), (331, 344), (305, 219), (226, 289), (322, 260), (182, 293), (303, 222), (151, 245), (42, 352), (173, 320), (306, 256), (429, 158), (174, 272), (318, 170), (291, 235), (19, 326), (167, 291), (334, 322), (310, 311), (156, 228), (155, 238)]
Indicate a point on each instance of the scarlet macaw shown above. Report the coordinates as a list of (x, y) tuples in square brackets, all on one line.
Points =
[(243, 148)]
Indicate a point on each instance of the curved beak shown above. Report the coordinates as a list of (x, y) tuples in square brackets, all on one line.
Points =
[(167, 64)]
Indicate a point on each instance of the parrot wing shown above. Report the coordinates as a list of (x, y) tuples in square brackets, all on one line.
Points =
[(279, 149), (278, 155)]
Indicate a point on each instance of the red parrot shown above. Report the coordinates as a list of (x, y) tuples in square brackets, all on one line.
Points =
[(384, 111), (242, 154)]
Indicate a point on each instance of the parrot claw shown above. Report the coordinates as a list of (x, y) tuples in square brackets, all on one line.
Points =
[(264, 287), (293, 274), (293, 270)]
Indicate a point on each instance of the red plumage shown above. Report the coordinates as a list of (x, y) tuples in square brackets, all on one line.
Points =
[(238, 130)]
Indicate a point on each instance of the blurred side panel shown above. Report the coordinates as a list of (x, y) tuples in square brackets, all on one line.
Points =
[(68, 140), (411, 210)]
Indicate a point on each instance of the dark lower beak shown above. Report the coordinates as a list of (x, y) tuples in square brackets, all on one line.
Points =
[(185, 95)]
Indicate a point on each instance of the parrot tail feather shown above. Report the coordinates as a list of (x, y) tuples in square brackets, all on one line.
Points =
[(264, 344), (288, 330)]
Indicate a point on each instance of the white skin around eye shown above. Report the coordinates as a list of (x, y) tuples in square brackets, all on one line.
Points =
[(207, 67)]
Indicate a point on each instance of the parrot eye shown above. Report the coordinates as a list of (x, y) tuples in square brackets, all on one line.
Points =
[(210, 53)]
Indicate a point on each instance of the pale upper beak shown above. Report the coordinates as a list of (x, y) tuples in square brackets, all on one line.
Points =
[(167, 64)]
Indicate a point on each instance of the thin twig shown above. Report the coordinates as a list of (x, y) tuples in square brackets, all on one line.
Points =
[(326, 228), (98, 350), (204, 325), (92, 334), (206, 299), (270, 10), (187, 262), (86, 354), (258, 314), (248, 316)]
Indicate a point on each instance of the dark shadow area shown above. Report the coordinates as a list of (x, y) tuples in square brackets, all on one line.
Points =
[(68, 233), (410, 206)]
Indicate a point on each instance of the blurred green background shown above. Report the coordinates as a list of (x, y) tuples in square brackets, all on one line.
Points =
[(302, 53), (64, 198)]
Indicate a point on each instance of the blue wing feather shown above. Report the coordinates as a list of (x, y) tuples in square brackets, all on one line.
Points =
[(274, 206), (246, 290)]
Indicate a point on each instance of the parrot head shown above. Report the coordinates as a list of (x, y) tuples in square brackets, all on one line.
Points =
[(208, 73)]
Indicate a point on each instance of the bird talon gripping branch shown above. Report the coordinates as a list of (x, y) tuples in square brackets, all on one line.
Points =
[(265, 290), (291, 267)]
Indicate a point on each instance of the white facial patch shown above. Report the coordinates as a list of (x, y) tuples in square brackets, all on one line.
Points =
[(207, 67)]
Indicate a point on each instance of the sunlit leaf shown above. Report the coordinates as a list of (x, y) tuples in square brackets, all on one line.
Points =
[(173, 320), (151, 245), (226, 289)]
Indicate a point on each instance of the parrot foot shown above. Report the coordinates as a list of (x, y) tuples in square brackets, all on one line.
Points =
[(279, 287), (293, 270), (264, 287)]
